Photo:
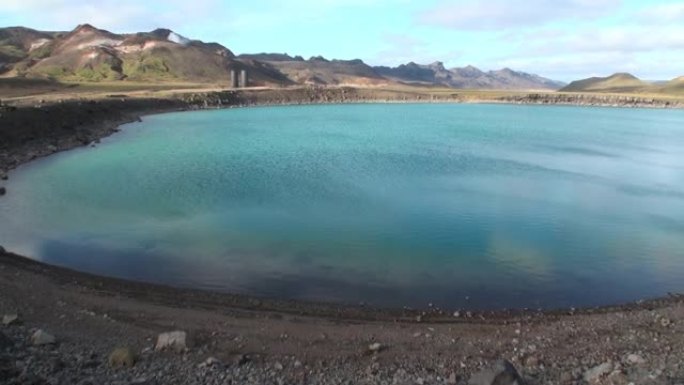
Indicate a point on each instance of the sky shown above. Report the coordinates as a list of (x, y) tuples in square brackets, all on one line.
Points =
[(560, 39)]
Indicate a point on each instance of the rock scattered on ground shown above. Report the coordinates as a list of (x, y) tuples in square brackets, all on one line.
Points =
[(209, 362), (635, 359), (375, 347), (9, 319), (501, 373), (122, 358), (597, 373), (41, 337), (176, 341)]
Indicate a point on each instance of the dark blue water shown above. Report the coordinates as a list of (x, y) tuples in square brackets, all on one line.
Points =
[(479, 206)]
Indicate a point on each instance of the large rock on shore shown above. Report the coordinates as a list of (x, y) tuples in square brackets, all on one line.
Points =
[(176, 341), (501, 373)]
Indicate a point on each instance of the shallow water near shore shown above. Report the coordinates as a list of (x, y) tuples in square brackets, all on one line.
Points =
[(463, 206)]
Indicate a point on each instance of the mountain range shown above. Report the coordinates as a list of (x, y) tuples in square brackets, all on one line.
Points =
[(91, 54)]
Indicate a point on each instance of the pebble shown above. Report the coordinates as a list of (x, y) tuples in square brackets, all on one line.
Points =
[(5, 342), (9, 319), (41, 337), (635, 359), (595, 374), (501, 373), (375, 347), (532, 361), (211, 361)]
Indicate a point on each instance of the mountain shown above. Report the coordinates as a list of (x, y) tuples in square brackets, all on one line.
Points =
[(321, 71), (466, 77), (674, 86), (619, 82), (91, 54)]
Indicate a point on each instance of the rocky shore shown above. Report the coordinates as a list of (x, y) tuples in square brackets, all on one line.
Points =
[(64, 327)]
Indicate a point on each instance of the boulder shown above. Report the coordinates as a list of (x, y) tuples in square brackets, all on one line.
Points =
[(41, 337), (122, 358), (176, 341), (501, 373)]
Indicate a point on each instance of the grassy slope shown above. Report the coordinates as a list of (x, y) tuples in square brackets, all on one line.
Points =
[(617, 83)]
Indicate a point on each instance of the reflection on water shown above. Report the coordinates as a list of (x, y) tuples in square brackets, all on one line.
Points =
[(508, 206)]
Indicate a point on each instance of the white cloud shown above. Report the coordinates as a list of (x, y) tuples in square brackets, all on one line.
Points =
[(662, 13), (501, 14), (115, 15)]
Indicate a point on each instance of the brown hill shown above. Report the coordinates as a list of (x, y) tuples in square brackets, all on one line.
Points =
[(91, 54), (619, 82), (673, 87)]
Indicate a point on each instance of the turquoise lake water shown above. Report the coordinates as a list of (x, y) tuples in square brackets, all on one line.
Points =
[(475, 206)]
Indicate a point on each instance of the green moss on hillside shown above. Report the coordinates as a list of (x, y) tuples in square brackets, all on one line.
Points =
[(148, 68)]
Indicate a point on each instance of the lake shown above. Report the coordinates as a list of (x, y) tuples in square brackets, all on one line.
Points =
[(463, 206)]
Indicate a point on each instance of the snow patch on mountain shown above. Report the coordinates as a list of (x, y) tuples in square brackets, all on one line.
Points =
[(178, 39)]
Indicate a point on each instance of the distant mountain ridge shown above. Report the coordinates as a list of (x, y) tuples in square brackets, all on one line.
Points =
[(468, 77), (162, 55)]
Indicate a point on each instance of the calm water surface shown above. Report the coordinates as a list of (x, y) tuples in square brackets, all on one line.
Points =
[(479, 206)]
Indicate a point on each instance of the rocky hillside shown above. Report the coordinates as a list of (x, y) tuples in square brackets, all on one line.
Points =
[(673, 87), (91, 54), (467, 77)]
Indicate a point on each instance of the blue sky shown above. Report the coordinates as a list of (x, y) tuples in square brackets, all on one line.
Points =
[(561, 39)]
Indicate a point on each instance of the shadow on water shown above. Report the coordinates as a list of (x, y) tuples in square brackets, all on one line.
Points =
[(324, 284)]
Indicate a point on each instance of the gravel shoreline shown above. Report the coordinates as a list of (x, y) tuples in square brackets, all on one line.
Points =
[(236, 340), (239, 339)]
